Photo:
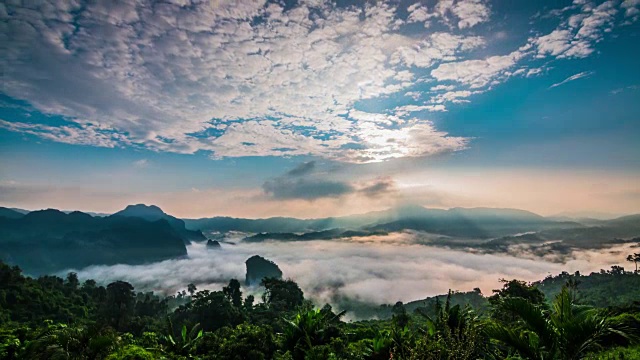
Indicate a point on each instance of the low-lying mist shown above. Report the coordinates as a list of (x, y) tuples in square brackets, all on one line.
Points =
[(379, 269)]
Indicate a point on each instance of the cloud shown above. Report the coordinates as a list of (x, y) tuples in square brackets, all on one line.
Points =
[(577, 76), (356, 268), (407, 109), (308, 189), (576, 36), (254, 78), (419, 13), (205, 77), (632, 7), (84, 134), (302, 183), (478, 73), (142, 163), (622, 89), (440, 46), (471, 13), (380, 186), (302, 169)]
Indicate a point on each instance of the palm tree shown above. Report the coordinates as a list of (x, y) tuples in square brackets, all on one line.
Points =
[(566, 331), (454, 333), (311, 328), (183, 343), (61, 341), (635, 258)]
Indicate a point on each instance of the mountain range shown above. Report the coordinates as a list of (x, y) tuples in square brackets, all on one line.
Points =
[(483, 223), (50, 240), (47, 241)]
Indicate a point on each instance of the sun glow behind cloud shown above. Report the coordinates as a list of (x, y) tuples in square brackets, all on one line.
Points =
[(255, 78)]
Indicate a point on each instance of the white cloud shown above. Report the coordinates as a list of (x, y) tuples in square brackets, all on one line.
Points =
[(534, 72), (142, 163), (419, 13), (471, 13), (85, 134), (356, 268), (465, 13), (157, 73), (443, 88), (437, 47), (554, 43), (632, 7), (415, 139), (454, 96), (477, 73), (407, 109), (178, 78), (576, 36), (572, 78)]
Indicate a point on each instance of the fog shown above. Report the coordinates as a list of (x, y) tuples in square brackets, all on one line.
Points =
[(380, 269)]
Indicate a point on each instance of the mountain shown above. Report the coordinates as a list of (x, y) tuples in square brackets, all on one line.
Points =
[(10, 213), (605, 232), (213, 244), (314, 235), (154, 213), (592, 215), (259, 268), (481, 223), (50, 240), (457, 222)]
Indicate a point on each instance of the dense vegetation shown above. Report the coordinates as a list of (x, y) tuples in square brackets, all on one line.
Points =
[(49, 240), (54, 318)]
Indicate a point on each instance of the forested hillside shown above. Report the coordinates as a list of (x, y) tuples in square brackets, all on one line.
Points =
[(50, 317)]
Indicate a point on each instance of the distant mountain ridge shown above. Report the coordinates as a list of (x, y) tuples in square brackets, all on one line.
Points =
[(10, 213), (154, 213), (459, 222), (50, 240)]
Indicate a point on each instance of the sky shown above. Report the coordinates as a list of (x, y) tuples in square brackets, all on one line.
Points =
[(311, 108)]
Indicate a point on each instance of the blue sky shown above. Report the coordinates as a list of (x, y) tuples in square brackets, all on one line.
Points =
[(205, 109)]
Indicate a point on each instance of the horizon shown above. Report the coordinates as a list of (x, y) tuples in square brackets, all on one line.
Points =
[(574, 216), (317, 109)]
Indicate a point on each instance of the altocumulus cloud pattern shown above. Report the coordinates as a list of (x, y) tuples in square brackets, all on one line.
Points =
[(255, 78)]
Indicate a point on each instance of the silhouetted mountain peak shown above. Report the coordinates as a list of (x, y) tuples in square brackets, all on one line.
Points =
[(496, 212), (79, 215), (10, 213), (50, 214), (154, 213), (149, 212), (259, 268)]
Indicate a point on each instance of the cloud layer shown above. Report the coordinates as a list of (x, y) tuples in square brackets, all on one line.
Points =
[(374, 269), (254, 78)]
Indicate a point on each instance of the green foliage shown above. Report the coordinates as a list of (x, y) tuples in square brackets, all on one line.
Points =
[(183, 343), (242, 342), (603, 289), (132, 352), (455, 333), (566, 331), (233, 293), (619, 353), (211, 309), (55, 318), (281, 295), (310, 329)]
